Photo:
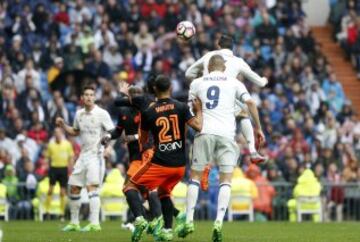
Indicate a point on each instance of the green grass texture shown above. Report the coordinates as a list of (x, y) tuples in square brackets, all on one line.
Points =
[(27, 231)]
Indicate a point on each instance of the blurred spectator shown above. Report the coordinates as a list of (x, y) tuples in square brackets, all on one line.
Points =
[(266, 31), (337, 194), (27, 74), (11, 182), (335, 92), (242, 186), (29, 145), (98, 67), (307, 185), (104, 36), (143, 38), (8, 145), (263, 203), (55, 70), (27, 192), (112, 57)]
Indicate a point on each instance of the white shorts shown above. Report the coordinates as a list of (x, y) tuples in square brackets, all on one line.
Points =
[(208, 148), (89, 169)]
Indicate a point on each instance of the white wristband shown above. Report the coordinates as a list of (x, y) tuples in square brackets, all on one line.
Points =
[(136, 136)]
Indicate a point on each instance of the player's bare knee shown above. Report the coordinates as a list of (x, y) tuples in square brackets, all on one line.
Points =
[(75, 190), (225, 177), (196, 175), (91, 188), (130, 186)]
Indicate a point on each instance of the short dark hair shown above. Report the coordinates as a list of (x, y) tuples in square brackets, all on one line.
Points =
[(151, 82), (226, 41), (162, 83), (87, 87)]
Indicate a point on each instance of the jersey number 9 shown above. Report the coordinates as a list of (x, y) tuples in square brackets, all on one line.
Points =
[(213, 96)]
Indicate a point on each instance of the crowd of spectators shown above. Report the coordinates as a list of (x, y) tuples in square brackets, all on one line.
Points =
[(306, 117), (346, 23)]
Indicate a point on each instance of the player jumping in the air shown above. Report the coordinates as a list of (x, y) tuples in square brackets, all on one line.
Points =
[(218, 93), (235, 66)]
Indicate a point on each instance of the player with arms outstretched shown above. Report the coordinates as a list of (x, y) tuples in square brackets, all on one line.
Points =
[(90, 123), (166, 120)]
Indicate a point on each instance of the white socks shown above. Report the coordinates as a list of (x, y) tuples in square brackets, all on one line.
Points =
[(191, 199), (74, 204), (248, 132), (223, 200), (94, 207)]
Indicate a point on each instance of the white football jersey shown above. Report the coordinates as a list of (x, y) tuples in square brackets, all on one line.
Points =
[(92, 126), (218, 93), (234, 66)]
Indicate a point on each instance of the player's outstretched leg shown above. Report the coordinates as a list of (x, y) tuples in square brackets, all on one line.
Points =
[(74, 203), (94, 202)]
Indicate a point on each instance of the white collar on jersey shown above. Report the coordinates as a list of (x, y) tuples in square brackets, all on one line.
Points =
[(216, 73), (227, 52), (92, 110)]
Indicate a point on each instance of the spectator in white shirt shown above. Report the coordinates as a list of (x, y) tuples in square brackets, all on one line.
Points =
[(104, 35), (27, 71)]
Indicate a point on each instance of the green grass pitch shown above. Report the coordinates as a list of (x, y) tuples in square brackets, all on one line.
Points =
[(233, 232)]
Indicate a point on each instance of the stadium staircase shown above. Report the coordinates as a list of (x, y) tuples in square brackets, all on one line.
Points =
[(342, 67)]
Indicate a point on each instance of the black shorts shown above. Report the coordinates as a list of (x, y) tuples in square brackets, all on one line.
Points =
[(59, 174)]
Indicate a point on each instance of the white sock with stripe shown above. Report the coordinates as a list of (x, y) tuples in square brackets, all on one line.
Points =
[(74, 203), (94, 207), (191, 199), (223, 201)]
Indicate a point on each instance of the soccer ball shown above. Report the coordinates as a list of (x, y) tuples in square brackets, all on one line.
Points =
[(185, 30)]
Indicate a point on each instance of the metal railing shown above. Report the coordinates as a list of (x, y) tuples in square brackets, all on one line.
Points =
[(340, 201)]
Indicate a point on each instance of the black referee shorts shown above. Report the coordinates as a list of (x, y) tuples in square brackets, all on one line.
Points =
[(59, 174)]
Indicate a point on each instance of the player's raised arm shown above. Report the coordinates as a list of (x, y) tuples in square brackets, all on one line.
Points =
[(252, 76), (73, 131), (245, 97), (193, 71)]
